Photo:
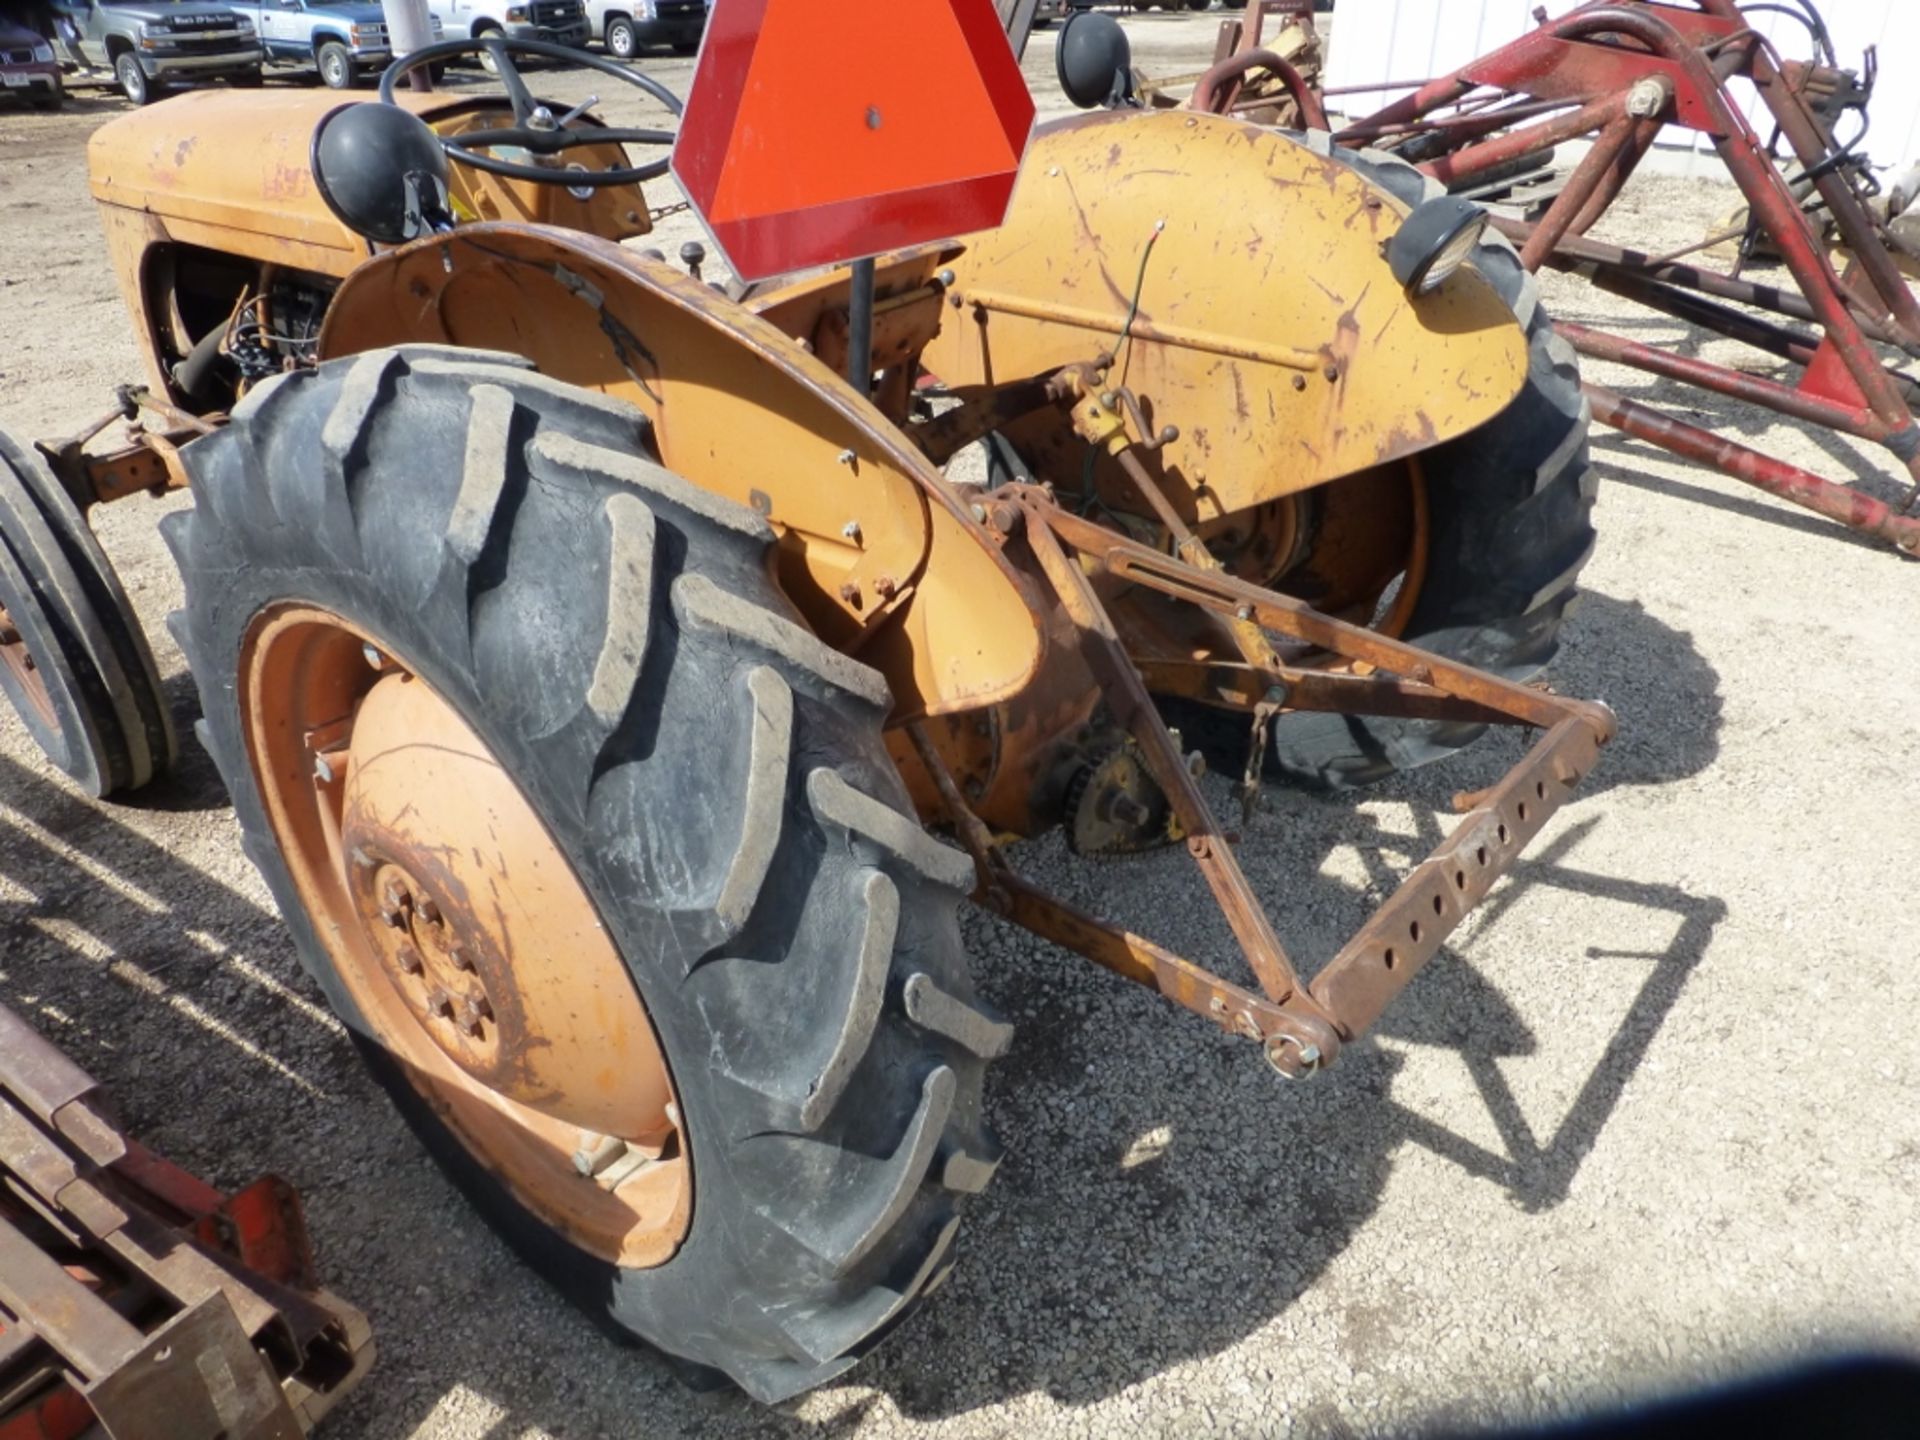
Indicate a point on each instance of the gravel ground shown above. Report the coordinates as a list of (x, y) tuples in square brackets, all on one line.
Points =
[(1654, 1118)]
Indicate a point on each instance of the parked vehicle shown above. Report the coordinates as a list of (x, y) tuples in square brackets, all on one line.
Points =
[(341, 38), (152, 45), (559, 22), (626, 27), (28, 69)]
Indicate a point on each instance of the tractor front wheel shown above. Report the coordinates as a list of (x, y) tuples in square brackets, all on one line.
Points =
[(597, 851)]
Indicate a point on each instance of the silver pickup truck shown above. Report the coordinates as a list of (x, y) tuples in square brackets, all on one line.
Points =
[(150, 45), (342, 39)]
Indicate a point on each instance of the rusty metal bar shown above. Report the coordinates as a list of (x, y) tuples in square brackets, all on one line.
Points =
[(1735, 384), (1587, 257), (1583, 186), (145, 1310), (1404, 934), (1803, 134), (1776, 477), (1114, 324), (1133, 709), (87, 1333), (1225, 595), (1242, 687), (1233, 1008), (1212, 87)]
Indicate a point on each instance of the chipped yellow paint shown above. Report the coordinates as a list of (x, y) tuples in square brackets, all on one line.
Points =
[(1269, 329)]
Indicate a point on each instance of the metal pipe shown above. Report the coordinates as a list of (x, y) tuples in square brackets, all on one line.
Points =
[(1484, 156), (1754, 389), (1798, 125), (1210, 91), (1114, 325), (1577, 252), (1776, 477), (1582, 187), (860, 328)]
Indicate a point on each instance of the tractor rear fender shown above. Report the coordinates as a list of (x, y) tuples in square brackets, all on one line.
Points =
[(881, 555), (1265, 323)]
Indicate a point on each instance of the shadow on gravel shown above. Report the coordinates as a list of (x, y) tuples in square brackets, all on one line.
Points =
[(1617, 457), (1164, 1196)]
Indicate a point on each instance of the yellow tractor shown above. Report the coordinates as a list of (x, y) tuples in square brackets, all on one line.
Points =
[(619, 694)]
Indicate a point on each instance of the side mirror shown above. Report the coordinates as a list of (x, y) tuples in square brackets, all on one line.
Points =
[(1094, 61), (381, 171)]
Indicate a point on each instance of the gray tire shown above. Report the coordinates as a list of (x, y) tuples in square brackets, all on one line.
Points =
[(714, 773), (335, 64), (132, 79)]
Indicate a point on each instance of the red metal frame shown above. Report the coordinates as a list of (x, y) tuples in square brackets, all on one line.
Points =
[(1618, 70)]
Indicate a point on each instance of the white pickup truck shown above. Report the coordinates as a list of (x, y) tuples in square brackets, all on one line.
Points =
[(559, 22)]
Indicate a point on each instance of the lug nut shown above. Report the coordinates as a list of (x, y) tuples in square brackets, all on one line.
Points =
[(460, 956), (429, 911), (410, 960), (440, 1003)]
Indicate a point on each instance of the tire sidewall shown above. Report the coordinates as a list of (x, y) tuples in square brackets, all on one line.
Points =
[(335, 64), (133, 80)]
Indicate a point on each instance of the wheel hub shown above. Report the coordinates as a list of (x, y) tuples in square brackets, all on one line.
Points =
[(432, 966), (471, 951)]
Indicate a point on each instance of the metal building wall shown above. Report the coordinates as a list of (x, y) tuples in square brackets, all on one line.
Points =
[(1376, 41)]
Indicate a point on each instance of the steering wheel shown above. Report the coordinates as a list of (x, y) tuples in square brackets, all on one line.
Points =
[(535, 129)]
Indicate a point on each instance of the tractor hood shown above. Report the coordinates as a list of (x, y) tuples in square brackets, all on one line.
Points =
[(230, 170)]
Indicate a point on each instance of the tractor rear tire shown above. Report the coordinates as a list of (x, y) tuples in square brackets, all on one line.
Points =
[(714, 776), (77, 666), (1511, 506)]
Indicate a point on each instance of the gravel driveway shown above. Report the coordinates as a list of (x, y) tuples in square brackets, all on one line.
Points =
[(1653, 1117)]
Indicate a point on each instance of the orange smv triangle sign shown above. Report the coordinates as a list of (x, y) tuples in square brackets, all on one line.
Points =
[(822, 132)]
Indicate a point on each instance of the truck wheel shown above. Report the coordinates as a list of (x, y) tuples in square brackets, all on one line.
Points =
[(596, 850), (1510, 525), (623, 43), (52, 100), (133, 80), (486, 60), (73, 659), (335, 63)]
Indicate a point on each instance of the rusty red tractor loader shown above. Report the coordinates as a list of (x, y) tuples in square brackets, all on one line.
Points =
[(593, 657)]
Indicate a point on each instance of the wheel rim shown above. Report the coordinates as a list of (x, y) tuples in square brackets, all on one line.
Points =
[(19, 662), (464, 937), (131, 80), (622, 42), (333, 70)]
